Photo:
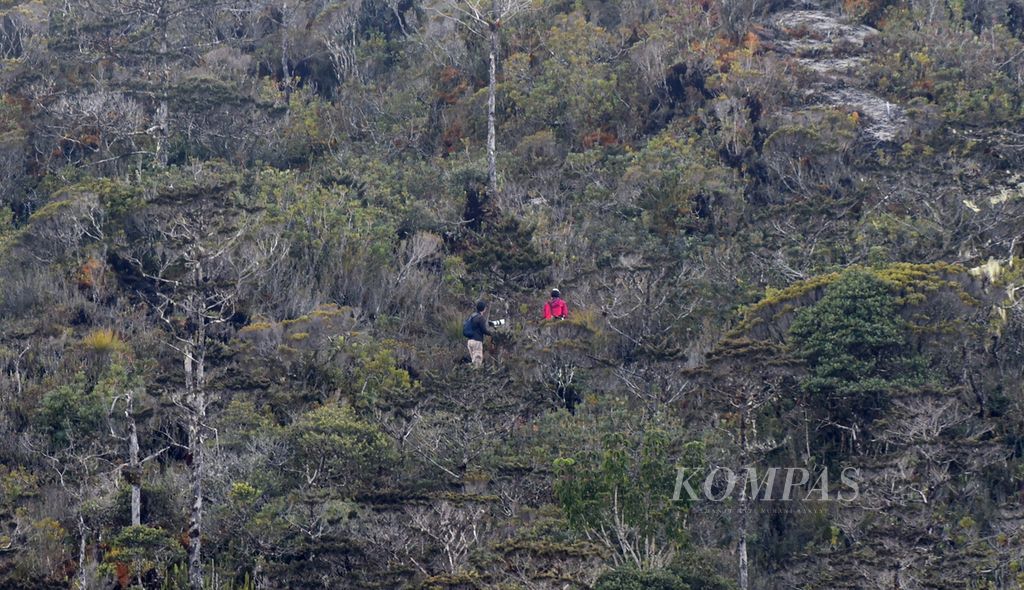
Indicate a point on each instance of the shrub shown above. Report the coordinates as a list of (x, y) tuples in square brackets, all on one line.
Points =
[(142, 549), (630, 579), (332, 446), (854, 342), (103, 340), (71, 412)]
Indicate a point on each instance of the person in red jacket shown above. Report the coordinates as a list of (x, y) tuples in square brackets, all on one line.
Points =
[(556, 307)]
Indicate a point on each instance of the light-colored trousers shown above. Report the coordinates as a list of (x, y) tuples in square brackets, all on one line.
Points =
[(476, 352)]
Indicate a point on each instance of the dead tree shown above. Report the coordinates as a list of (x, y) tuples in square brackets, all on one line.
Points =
[(746, 375), (199, 253)]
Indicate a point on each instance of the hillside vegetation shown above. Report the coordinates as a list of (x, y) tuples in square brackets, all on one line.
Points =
[(240, 237)]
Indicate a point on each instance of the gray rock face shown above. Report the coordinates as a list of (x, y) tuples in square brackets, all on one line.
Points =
[(884, 119), (813, 32), (832, 50)]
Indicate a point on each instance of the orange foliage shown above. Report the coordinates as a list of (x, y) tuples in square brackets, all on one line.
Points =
[(123, 574), (727, 53), (452, 85), (864, 9), (925, 85), (451, 139), (90, 141), (603, 138), (752, 42), (858, 8), (89, 273), (448, 74)]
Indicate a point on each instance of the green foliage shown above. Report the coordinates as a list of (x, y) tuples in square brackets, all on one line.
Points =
[(118, 198), (628, 477), (854, 342), (16, 484), (331, 446), (810, 154), (376, 380), (701, 571), (243, 493), (909, 284), (306, 134), (10, 120), (575, 87), (867, 11), (72, 414), (103, 341), (242, 421), (640, 580), (340, 240), (504, 251), (660, 161), (681, 182), (143, 548), (960, 70)]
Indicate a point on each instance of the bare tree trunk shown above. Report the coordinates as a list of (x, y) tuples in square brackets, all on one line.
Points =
[(744, 565), (17, 371), (195, 407), (744, 500), (286, 77), (195, 522), (161, 121), (195, 384), (492, 89), (133, 463), (82, 573), (165, 81)]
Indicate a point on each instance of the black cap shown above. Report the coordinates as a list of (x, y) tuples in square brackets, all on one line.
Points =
[(555, 293), (481, 305)]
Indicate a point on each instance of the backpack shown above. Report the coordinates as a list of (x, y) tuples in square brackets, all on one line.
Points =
[(467, 327)]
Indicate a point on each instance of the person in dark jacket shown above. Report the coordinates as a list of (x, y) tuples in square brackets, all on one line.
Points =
[(478, 329), (556, 307)]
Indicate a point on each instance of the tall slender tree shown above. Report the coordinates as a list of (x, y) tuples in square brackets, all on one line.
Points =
[(747, 376), (485, 19), (199, 251)]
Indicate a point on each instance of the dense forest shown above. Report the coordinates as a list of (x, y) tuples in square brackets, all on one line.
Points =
[(239, 240)]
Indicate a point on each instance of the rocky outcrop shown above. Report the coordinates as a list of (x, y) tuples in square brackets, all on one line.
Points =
[(833, 52)]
